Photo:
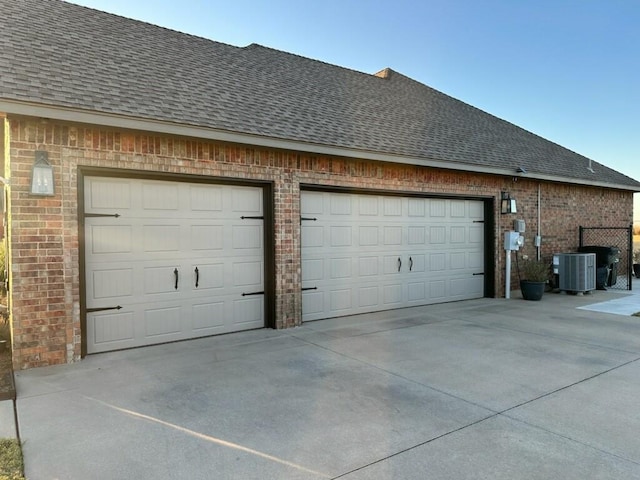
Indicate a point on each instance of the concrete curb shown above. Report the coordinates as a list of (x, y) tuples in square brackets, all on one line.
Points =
[(8, 428)]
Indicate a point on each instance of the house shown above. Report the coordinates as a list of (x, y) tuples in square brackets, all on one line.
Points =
[(186, 188)]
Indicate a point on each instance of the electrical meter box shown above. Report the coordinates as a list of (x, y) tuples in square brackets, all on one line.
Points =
[(513, 241)]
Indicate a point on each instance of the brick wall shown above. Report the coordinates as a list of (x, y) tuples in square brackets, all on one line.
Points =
[(45, 281)]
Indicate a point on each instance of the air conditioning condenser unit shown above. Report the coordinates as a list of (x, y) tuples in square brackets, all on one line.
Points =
[(577, 272)]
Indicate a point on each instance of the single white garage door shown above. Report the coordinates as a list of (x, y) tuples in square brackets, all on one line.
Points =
[(366, 253), (168, 261)]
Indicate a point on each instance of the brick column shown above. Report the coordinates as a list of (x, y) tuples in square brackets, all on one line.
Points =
[(287, 251)]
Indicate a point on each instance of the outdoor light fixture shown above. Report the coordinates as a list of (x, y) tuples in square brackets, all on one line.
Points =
[(42, 175), (507, 204)]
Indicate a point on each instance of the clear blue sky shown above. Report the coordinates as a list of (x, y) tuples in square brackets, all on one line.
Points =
[(568, 70)]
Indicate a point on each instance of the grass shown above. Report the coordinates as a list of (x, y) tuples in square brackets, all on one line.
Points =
[(11, 465)]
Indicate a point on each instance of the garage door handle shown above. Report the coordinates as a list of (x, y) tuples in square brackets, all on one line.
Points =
[(399, 263), (410, 263), (197, 276), (177, 276)]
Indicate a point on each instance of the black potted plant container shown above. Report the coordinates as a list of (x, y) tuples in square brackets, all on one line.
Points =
[(535, 274), (532, 290)]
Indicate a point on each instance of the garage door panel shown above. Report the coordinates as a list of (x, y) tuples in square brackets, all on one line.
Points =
[(340, 300), (388, 252), (368, 266), (392, 294), (161, 238), (476, 234), (109, 239), (161, 279), (209, 275), (368, 236), (207, 237), (340, 236), (437, 235), (392, 206), (249, 312), (246, 200), (417, 207), (458, 235), (107, 283), (340, 205), (340, 268), (416, 263), (476, 262), (107, 194), (312, 269), (162, 321), (313, 304), (476, 286), (417, 235), (465, 288), (205, 198), (208, 316), (392, 264), (392, 235), (417, 292), (437, 208), (476, 210), (312, 236), (458, 209), (107, 328), (160, 196), (312, 203), (368, 205), (458, 261), (247, 273), (368, 296), (437, 262), (437, 289), (130, 262), (247, 237)]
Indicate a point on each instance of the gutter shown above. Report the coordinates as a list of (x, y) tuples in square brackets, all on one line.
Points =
[(173, 128)]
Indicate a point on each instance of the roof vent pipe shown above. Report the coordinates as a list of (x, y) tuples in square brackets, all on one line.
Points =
[(589, 167)]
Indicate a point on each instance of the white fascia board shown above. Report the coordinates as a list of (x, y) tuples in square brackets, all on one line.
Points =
[(170, 128)]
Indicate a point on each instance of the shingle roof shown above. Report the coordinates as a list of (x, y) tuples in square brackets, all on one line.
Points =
[(59, 54)]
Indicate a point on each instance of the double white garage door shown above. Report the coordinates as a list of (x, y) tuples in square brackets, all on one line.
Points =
[(366, 253), (168, 261)]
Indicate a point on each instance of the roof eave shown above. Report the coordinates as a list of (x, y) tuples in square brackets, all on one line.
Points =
[(171, 128)]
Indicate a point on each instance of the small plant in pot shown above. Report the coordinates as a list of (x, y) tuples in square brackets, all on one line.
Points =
[(534, 275)]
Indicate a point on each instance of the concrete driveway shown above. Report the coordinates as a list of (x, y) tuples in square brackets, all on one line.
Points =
[(495, 389)]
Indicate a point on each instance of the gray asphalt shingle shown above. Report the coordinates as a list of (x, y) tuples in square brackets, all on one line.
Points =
[(59, 54)]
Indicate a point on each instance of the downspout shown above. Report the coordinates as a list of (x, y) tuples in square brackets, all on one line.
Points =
[(538, 236)]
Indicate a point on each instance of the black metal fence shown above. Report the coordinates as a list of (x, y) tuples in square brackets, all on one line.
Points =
[(620, 240)]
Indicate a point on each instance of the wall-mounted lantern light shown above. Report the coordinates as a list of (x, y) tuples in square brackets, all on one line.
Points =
[(42, 175), (507, 204)]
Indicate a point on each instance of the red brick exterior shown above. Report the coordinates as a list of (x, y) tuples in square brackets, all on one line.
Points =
[(43, 231)]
